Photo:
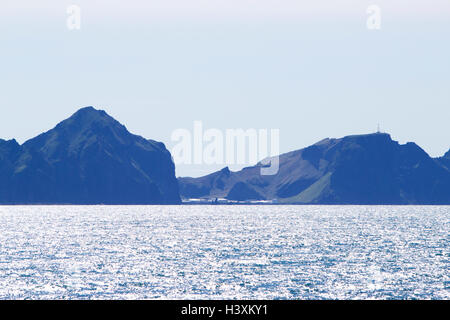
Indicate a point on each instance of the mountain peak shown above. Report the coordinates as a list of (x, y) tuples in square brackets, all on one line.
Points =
[(89, 110), (89, 120), (85, 127), (370, 137), (88, 158), (89, 114), (9, 142), (8, 147)]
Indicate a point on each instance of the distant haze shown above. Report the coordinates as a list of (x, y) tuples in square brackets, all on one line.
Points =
[(312, 70)]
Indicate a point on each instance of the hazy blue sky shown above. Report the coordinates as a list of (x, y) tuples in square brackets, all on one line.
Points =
[(312, 70)]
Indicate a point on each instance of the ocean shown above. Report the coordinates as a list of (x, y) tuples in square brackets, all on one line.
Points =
[(224, 252)]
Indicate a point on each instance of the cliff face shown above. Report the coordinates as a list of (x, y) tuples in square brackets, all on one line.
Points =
[(362, 169), (89, 158)]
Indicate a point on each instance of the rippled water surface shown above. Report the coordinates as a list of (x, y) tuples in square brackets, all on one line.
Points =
[(211, 252)]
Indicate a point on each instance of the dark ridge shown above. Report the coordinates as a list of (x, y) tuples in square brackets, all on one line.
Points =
[(357, 169), (89, 158)]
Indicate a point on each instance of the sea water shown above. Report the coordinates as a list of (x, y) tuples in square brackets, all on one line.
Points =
[(224, 252)]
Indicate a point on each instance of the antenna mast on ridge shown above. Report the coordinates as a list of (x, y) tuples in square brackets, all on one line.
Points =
[(378, 129)]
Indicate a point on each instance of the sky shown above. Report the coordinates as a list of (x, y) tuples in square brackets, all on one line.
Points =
[(310, 69)]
